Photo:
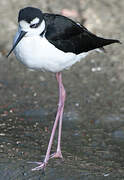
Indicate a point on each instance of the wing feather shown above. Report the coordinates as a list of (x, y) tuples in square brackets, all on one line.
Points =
[(68, 36)]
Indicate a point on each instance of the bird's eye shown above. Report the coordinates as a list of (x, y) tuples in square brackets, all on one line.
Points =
[(34, 25)]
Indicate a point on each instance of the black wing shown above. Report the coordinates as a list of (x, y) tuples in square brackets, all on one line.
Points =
[(68, 36)]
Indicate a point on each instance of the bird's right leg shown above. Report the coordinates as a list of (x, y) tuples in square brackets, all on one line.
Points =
[(43, 164), (62, 95)]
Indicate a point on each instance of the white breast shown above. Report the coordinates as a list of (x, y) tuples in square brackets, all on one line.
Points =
[(37, 53)]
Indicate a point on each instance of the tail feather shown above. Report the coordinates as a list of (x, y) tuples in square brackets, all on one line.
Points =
[(99, 42), (104, 42)]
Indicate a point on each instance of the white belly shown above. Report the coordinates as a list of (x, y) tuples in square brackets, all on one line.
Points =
[(37, 53)]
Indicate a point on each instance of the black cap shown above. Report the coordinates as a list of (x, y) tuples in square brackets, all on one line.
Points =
[(30, 13)]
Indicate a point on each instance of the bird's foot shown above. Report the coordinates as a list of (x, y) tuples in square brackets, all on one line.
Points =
[(57, 154), (42, 166)]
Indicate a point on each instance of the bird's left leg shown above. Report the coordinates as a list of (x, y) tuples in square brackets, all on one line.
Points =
[(59, 115), (62, 96)]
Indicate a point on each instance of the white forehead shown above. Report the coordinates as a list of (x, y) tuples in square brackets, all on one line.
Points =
[(23, 24), (35, 20)]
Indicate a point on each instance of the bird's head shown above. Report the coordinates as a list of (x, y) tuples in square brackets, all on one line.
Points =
[(30, 23)]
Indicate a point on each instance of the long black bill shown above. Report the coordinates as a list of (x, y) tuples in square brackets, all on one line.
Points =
[(22, 33)]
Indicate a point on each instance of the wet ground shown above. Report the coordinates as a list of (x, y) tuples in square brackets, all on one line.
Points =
[(93, 124)]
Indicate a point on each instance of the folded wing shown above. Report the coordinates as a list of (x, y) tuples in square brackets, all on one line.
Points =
[(69, 36)]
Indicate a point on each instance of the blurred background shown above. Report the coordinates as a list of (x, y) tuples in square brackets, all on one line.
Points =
[(93, 124)]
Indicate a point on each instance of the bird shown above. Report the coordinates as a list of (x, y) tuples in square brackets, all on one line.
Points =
[(53, 42)]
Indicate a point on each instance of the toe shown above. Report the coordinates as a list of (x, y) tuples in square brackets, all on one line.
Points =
[(41, 167), (56, 155)]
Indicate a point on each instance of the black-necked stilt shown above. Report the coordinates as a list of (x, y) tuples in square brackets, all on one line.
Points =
[(53, 43)]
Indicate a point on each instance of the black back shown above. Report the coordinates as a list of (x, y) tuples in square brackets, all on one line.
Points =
[(69, 36)]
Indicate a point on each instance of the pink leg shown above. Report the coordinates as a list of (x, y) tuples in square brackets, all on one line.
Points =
[(58, 153), (58, 116)]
